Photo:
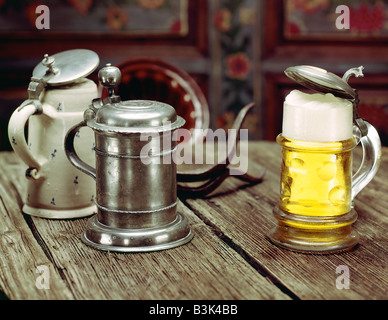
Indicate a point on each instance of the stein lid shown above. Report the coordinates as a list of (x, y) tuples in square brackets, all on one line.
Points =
[(323, 81), (66, 67), (137, 116), (133, 116)]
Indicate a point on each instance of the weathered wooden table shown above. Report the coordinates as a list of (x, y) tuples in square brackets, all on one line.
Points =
[(230, 256)]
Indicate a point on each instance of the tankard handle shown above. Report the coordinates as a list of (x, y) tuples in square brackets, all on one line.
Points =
[(72, 154), (17, 139), (371, 147)]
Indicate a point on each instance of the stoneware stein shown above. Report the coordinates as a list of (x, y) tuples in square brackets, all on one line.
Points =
[(135, 173), (320, 131), (58, 93)]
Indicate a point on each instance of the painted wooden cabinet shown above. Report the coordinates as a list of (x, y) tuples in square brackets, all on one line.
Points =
[(173, 30), (297, 32)]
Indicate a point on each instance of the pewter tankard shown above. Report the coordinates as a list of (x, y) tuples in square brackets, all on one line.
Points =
[(136, 188)]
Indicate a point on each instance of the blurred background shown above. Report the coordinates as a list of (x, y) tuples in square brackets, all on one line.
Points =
[(236, 50)]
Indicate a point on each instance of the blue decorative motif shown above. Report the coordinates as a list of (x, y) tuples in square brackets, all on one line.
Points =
[(53, 154), (14, 141), (76, 180), (52, 201)]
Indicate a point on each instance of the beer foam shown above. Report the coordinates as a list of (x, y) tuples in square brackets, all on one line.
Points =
[(317, 117)]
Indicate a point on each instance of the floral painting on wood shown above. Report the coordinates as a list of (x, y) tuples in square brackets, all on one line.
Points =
[(159, 17), (234, 22), (317, 19)]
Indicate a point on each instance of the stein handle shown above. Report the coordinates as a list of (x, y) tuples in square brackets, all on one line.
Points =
[(17, 139), (371, 147), (72, 155)]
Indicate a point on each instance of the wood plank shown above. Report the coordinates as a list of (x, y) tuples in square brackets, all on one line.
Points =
[(212, 266), (21, 254), (206, 268), (244, 217)]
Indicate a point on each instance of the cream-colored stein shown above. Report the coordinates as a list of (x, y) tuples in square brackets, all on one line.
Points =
[(58, 95)]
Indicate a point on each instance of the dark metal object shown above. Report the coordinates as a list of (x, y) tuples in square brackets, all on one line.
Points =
[(212, 178)]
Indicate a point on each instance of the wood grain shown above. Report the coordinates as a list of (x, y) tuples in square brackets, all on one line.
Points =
[(244, 217), (230, 256), (203, 269), (21, 254), (206, 268)]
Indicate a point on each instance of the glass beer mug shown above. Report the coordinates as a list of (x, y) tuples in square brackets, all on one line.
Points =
[(320, 131)]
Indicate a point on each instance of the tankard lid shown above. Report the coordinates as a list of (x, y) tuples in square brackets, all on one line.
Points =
[(133, 116), (323, 81), (137, 116)]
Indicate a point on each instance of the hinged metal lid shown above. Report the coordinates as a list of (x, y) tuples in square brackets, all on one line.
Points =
[(134, 116), (325, 82), (66, 67), (57, 70)]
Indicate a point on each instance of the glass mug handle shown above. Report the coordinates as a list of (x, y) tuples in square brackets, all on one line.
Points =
[(371, 147)]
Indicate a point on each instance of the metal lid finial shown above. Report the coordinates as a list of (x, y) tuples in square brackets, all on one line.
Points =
[(110, 78), (49, 63)]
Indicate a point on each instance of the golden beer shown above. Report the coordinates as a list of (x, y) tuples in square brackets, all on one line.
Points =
[(315, 211), (316, 177)]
